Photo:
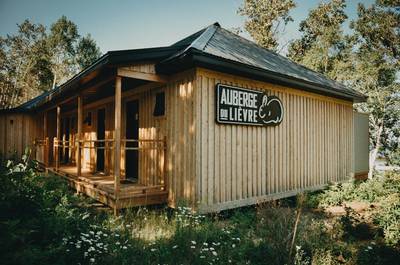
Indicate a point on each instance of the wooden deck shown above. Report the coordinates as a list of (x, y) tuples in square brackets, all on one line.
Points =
[(101, 188)]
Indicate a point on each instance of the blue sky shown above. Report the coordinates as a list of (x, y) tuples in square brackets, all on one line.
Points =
[(133, 24)]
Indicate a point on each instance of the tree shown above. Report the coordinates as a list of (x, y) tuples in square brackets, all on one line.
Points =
[(366, 60), (34, 60), (266, 19), (322, 41), (376, 64), (62, 38), (22, 73), (86, 52)]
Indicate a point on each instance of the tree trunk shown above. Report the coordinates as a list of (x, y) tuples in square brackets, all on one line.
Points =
[(54, 81), (374, 152)]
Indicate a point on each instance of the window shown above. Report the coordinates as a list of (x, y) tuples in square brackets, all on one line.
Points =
[(88, 119), (159, 107)]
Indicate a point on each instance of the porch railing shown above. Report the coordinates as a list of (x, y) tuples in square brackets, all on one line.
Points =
[(41, 149), (152, 155)]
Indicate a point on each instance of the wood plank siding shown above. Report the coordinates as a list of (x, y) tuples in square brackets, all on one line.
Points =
[(241, 165), (17, 131), (209, 165)]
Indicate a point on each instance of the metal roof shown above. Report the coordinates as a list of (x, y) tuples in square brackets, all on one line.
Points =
[(221, 44), (216, 48)]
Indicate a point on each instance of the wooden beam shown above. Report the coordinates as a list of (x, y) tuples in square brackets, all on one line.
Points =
[(79, 121), (126, 72), (58, 136), (85, 88), (46, 144), (117, 140)]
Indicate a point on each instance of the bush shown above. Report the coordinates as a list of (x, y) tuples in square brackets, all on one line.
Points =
[(388, 218), (43, 222), (36, 212), (382, 190)]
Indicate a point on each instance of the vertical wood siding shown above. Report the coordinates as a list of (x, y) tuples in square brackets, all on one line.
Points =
[(17, 131), (180, 126), (240, 165), (221, 166)]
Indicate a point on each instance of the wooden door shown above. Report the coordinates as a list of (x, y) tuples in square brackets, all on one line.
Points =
[(132, 132), (101, 133)]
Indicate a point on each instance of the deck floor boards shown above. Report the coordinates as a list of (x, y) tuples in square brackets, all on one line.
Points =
[(101, 187)]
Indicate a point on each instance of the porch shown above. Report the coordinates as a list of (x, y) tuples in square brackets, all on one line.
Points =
[(102, 186), (105, 140)]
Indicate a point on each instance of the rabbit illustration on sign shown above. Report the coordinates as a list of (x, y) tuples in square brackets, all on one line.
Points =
[(271, 110)]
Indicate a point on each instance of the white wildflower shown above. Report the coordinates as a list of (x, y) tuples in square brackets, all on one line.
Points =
[(214, 253)]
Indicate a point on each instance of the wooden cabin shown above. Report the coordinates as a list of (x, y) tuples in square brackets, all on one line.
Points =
[(213, 120)]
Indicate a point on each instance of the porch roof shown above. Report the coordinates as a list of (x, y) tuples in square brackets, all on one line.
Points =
[(215, 48)]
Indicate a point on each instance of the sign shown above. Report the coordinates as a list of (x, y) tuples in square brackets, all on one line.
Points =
[(237, 105)]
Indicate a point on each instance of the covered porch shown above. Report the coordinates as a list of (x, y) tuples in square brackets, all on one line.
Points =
[(104, 141)]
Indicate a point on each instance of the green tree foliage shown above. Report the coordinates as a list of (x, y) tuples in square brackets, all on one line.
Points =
[(61, 42), (322, 40), (366, 60), (266, 19), (375, 66), (23, 64), (86, 52), (34, 60)]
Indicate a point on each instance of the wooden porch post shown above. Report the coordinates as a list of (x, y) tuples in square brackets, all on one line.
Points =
[(57, 149), (46, 141), (117, 141), (79, 121), (165, 165)]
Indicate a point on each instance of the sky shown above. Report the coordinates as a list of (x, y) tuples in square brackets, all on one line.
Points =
[(124, 24)]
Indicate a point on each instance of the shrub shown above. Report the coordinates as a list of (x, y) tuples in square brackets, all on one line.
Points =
[(35, 214), (42, 221), (388, 218)]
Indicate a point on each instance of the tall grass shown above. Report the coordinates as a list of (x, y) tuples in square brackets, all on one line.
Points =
[(43, 222)]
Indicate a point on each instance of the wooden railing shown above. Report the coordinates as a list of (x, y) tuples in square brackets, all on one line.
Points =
[(152, 154), (41, 150), (152, 162)]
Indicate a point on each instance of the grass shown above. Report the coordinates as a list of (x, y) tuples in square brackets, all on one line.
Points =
[(43, 222)]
